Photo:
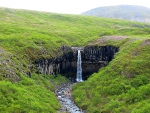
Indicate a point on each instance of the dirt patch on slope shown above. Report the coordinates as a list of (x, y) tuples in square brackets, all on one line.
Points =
[(105, 39), (1, 50), (146, 42)]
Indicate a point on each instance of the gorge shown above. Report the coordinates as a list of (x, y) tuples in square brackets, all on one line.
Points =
[(93, 58), (36, 48)]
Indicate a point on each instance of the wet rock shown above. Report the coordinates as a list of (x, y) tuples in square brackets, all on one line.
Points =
[(4, 62), (65, 99)]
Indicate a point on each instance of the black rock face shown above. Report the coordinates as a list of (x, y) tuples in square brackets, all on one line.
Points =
[(93, 58)]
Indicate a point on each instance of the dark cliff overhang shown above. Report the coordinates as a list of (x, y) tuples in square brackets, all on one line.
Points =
[(93, 58)]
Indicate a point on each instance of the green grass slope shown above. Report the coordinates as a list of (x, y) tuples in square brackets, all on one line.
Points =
[(29, 95), (26, 36), (123, 85)]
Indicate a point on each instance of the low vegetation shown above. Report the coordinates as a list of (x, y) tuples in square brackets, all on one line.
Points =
[(26, 36), (123, 85), (30, 95)]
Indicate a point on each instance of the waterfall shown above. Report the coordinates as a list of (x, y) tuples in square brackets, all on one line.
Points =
[(79, 67)]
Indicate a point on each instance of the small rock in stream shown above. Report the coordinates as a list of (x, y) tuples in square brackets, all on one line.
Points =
[(64, 96)]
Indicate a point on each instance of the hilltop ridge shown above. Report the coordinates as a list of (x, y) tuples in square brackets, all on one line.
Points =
[(126, 12)]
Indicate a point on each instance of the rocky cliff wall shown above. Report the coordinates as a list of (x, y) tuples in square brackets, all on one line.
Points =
[(93, 58)]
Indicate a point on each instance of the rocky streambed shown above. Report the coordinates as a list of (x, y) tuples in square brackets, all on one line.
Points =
[(64, 96)]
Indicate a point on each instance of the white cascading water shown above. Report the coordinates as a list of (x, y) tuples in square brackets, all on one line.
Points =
[(79, 67)]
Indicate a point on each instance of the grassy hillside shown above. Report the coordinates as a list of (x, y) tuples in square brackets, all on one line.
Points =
[(126, 12), (26, 36), (30, 95), (123, 85)]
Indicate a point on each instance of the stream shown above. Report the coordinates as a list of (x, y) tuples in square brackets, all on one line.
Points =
[(67, 104)]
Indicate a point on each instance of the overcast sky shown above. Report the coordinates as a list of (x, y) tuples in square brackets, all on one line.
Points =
[(68, 6)]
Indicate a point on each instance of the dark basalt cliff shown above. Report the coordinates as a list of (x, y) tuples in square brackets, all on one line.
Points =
[(93, 58)]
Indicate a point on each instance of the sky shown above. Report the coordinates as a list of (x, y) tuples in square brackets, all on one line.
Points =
[(68, 6)]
